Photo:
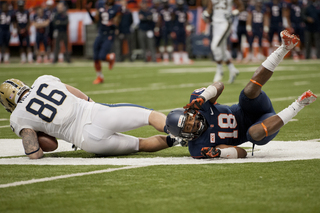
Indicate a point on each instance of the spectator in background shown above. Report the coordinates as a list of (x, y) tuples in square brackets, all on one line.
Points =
[(166, 13), (41, 22), (108, 18), (50, 11), (125, 35), (311, 17), (241, 28), (60, 26), (181, 29), (296, 25), (255, 22), (145, 33), (5, 21), (155, 10), (22, 23), (275, 12)]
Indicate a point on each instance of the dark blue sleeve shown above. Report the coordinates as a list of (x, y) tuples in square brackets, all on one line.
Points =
[(195, 150)]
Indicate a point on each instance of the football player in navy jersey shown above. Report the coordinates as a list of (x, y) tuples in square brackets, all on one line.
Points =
[(256, 19), (213, 130), (5, 21), (155, 10), (41, 22), (275, 12), (166, 13), (179, 33), (296, 24), (108, 19), (241, 28), (22, 22)]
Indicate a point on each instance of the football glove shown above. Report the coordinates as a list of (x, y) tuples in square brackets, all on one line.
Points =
[(210, 152), (195, 104)]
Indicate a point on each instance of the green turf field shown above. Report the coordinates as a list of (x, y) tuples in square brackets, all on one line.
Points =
[(251, 187)]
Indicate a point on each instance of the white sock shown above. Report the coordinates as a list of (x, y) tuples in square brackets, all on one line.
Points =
[(6, 57), (185, 57), (99, 74), (23, 57), (219, 69), (165, 56), (30, 57), (230, 153), (176, 57), (288, 113), (275, 58)]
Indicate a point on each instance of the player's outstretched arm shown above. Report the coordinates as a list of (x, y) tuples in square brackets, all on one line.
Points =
[(78, 93), (31, 144)]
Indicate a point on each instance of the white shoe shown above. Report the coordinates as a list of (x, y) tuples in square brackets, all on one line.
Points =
[(233, 74), (306, 98), (218, 77), (288, 41)]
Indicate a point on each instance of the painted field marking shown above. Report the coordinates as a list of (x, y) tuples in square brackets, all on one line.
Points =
[(4, 126), (194, 85), (19, 183), (4, 119)]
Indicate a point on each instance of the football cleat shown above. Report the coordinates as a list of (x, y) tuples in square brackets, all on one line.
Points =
[(10, 92), (288, 41), (306, 98), (98, 80)]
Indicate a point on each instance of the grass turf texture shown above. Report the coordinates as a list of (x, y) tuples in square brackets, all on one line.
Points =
[(251, 187), (254, 187)]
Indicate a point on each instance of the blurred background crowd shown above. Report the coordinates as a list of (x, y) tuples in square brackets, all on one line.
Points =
[(51, 31)]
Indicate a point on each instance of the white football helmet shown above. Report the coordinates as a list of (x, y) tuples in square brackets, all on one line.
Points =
[(10, 92)]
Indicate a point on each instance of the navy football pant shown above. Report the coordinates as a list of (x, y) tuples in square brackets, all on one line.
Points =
[(257, 110)]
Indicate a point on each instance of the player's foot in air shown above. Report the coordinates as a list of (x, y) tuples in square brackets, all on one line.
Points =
[(233, 74), (288, 41), (111, 60), (218, 77), (98, 80), (306, 98)]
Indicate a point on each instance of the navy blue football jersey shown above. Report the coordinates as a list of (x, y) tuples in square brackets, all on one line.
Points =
[(275, 11), (180, 18), (22, 18), (5, 20), (106, 14), (229, 124)]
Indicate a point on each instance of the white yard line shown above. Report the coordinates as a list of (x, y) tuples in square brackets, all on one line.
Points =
[(271, 152), (19, 183)]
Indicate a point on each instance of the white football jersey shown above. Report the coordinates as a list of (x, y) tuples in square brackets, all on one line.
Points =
[(50, 108), (221, 10)]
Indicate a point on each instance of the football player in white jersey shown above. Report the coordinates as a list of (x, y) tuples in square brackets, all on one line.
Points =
[(221, 13), (64, 112)]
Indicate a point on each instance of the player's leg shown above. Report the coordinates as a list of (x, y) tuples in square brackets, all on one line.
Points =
[(7, 50), (265, 71), (220, 32), (97, 62), (271, 125), (105, 51)]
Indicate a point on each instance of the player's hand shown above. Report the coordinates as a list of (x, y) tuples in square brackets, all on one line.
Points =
[(210, 152), (195, 104)]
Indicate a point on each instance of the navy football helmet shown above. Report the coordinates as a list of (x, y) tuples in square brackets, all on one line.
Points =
[(175, 123)]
